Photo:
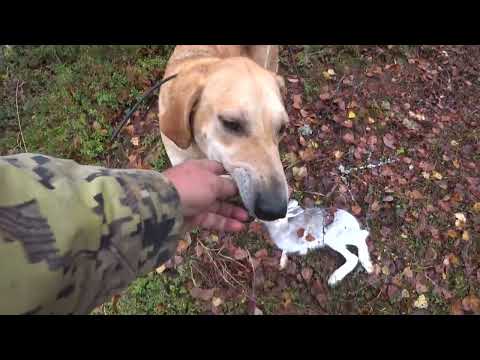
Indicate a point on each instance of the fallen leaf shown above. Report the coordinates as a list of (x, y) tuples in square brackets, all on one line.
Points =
[(407, 272), (371, 120), (348, 138), (338, 155), (182, 246), (385, 270), (307, 273), (161, 269), (299, 173), (471, 303), (421, 288), (135, 141), (351, 115), (325, 96), (426, 175), (297, 101), (202, 294), (452, 234), (331, 72), (457, 308), (405, 294), (261, 253), (460, 220), (375, 206), (348, 124), (476, 207), (454, 143), (456, 164), (240, 254), (291, 158), (421, 302), (466, 236), (437, 175), (415, 195), (216, 301), (356, 210), (389, 141), (307, 154), (388, 198)]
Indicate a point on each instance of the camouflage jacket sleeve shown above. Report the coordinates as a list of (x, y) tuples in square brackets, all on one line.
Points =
[(72, 236)]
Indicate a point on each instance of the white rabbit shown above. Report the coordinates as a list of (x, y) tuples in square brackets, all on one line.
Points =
[(344, 230)]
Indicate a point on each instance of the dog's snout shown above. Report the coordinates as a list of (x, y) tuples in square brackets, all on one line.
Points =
[(269, 207)]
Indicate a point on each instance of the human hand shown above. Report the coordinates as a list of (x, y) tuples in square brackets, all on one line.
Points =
[(202, 193)]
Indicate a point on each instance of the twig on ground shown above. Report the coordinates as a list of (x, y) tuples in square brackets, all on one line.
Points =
[(18, 116), (313, 193)]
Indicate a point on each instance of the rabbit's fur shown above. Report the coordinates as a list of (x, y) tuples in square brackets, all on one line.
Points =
[(344, 230)]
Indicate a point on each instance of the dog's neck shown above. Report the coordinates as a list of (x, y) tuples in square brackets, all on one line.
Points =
[(177, 155)]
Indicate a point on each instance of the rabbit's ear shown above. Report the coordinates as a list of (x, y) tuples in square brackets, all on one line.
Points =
[(293, 209)]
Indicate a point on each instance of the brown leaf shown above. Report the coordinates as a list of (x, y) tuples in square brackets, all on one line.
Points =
[(135, 141), (348, 138), (300, 232), (307, 273), (304, 113), (372, 140), (415, 195), (392, 290), (348, 124), (299, 173), (308, 154), (240, 254), (375, 206), (202, 294), (325, 96), (261, 253), (297, 101), (471, 303), (457, 308), (389, 141), (182, 246), (356, 210), (340, 103), (476, 207)]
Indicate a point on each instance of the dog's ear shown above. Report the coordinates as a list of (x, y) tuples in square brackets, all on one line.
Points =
[(185, 93)]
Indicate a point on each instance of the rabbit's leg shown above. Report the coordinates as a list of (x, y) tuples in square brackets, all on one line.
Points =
[(350, 262), (363, 254), (283, 260)]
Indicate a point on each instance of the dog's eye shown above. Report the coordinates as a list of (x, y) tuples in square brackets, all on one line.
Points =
[(232, 126)]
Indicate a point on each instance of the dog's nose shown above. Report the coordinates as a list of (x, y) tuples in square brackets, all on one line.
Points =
[(270, 207)]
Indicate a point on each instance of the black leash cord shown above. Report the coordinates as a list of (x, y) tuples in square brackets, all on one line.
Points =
[(145, 96)]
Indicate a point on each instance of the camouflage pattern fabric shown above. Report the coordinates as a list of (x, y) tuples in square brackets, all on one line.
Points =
[(72, 236)]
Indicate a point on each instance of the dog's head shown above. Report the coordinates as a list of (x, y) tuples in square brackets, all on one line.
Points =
[(233, 110)]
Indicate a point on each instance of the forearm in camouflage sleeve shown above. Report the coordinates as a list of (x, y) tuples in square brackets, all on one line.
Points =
[(72, 236)]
